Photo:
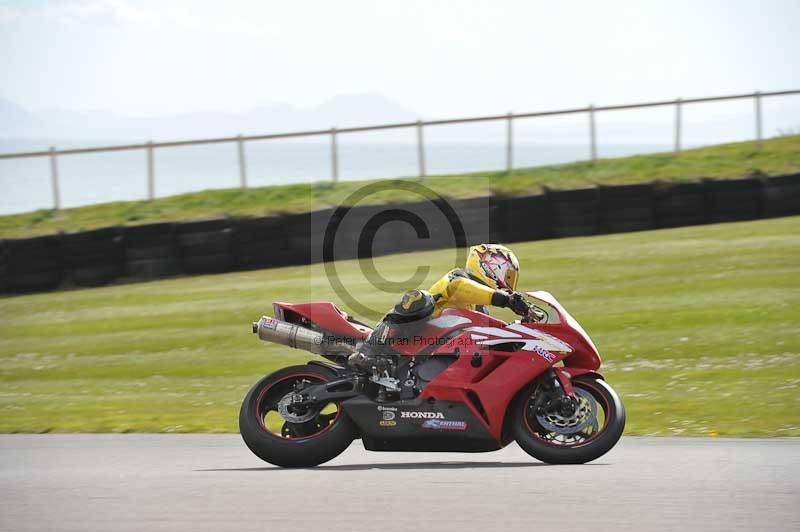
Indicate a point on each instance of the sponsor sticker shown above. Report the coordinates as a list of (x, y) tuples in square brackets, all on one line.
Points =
[(421, 415), (547, 355), (387, 423), (269, 323), (443, 424), (388, 413)]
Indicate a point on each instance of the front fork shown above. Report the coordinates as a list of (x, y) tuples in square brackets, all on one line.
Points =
[(559, 392), (562, 380)]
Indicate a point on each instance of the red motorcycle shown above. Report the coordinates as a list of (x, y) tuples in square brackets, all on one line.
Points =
[(461, 382)]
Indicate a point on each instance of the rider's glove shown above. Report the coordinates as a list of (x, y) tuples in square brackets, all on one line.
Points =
[(518, 304), (513, 300)]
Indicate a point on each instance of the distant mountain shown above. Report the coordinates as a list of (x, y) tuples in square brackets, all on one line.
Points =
[(16, 121), (23, 130), (341, 111)]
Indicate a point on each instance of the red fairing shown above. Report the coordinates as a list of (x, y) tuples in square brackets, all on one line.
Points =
[(586, 355), (489, 388), (512, 355), (494, 384), (326, 315)]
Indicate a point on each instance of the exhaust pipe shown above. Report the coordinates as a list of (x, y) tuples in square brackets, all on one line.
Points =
[(289, 334)]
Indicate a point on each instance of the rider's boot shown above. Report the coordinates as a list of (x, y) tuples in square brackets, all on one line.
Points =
[(361, 361), (366, 357)]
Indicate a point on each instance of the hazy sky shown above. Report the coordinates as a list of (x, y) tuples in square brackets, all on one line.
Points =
[(438, 58)]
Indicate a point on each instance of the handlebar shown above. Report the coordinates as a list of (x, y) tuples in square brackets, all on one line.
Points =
[(535, 314)]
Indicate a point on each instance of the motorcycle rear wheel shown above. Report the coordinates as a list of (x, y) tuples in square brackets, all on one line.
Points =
[(318, 437), (554, 447)]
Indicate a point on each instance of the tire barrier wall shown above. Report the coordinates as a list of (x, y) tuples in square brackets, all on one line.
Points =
[(156, 251), (151, 252), (92, 258), (206, 247), (33, 264)]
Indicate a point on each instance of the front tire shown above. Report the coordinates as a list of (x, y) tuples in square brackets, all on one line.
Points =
[(541, 438), (320, 435)]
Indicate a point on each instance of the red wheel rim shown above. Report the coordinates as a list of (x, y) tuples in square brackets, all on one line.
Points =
[(261, 412), (598, 395)]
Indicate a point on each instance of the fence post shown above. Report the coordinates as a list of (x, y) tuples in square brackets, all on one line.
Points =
[(593, 143), (54, 178), (420, 149), (242, 162), (757, 98), (334, 156), (678, 125), (151, 177), (510, 142)]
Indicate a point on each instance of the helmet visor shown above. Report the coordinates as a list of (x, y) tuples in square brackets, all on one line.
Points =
[(511, 278)]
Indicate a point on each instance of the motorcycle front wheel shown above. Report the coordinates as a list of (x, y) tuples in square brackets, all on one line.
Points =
[(578, 437), (300, 438)]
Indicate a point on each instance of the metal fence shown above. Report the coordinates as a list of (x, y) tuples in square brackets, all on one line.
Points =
[(333, 132)]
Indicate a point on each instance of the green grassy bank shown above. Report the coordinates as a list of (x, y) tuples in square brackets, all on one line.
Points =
[(777, 156)]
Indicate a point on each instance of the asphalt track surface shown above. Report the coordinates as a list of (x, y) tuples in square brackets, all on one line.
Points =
[(213, 483)]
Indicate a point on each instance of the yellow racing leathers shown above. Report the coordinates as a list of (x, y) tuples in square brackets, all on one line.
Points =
[(457, 289)]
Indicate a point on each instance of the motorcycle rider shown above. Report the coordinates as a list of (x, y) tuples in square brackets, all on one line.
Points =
[(488, 278)]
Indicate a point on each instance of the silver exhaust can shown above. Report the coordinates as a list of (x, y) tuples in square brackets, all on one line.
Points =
[(297, 337)]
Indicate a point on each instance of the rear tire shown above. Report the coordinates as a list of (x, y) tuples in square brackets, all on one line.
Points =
[(532, 436), (279, 447)]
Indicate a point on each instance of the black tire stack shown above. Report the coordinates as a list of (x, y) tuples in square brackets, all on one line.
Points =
[(733, 200), (93, 258), (3, 268), (522, 219), (575, 212), (206, 247), (296, 230), (626, 208), (259, 242), (781, 195), (151, 252), (314, 235), (392, 229), (679, 204), (477, 217), (352, 229), (34, 264)]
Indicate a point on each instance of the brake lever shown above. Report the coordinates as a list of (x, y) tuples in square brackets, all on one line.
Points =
[(536, 314)]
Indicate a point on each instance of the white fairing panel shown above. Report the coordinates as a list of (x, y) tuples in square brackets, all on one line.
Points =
[(543, 340), (495, 331), (445, 322), (532, 339)]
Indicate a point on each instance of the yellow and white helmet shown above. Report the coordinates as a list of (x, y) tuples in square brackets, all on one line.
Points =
[(495, 265)]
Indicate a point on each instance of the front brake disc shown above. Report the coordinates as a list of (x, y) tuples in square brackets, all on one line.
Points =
[(585, 415)]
